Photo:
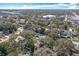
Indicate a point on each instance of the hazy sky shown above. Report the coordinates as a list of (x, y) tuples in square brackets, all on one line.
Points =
[(39, 1), (39, 6)]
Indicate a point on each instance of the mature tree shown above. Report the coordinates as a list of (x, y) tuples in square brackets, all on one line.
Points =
[(43, 52), (7, 27), (48, 41), (28, 43)]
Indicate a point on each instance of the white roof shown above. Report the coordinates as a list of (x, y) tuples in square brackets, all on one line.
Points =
[(45, 16)]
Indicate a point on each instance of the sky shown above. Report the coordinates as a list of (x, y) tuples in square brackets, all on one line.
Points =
[(39, 5), (39, 1)]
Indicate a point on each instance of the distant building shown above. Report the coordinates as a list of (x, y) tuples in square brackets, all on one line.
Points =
[(49, 16), (19, 38), (66, 18), (40, 36), (69, 33), (2, 34), (76, 45), (1, 17), (73, 18), (21, 20), (66, 33), (19, 30)]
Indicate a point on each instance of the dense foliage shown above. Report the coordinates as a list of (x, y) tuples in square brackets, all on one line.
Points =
[(39, 37)]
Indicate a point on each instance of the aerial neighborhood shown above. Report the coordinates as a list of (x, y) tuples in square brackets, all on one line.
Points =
[(50, 33)]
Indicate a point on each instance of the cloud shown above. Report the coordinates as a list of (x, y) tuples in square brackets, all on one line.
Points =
[(52, 6), (43, 6), (39, 1), (73, 6)]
